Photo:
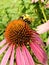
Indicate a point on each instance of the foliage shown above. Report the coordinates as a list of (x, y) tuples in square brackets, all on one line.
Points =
[(13, 9)]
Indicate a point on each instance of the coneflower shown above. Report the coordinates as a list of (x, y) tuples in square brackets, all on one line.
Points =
[(18, 35)]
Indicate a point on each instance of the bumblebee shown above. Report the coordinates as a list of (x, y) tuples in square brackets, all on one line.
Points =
[(26, 18)]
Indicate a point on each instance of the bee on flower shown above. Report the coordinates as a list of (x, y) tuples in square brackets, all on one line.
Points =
[(17, 36)]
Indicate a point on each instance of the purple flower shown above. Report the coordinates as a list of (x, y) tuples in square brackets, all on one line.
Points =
[(18, 35)]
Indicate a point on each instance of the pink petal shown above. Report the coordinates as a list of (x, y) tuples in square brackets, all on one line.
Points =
[(3, 49), (6, 56), (38, 64), (33, 1), (42, 0), (12, 57), (47, 41), (47, 5), (19, 57), (44, 64), (39, 53), (36, 1), (37, 39), (3, 42), (27, 56), (43, 27)]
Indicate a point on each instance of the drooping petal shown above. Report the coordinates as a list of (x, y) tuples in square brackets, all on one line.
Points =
[(39, 53), (19, 57), (38, 64), (47, 5), (2, 42), (36, 1), (29, 57), (3, 49), (42, 0), (36, 38), (6, 56), (33, 1), (25, 57), (43, 27), (12, 57)]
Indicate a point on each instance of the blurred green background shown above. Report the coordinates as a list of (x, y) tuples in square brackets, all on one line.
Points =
[(13, 9)]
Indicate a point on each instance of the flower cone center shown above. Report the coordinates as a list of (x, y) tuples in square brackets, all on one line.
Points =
[(18, 31)]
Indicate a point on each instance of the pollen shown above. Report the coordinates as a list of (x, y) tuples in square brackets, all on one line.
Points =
[(18, 32)]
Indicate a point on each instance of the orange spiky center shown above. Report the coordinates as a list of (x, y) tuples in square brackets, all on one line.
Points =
[(18, 32)]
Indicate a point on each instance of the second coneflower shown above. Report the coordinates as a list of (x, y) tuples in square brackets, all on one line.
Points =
[(18, 35), (34, 1), (43, 27)]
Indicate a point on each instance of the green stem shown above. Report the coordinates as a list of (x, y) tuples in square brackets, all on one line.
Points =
[(44, 14), (42, 9)]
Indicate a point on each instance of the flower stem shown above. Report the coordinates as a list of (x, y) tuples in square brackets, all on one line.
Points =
[(42, 9)]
